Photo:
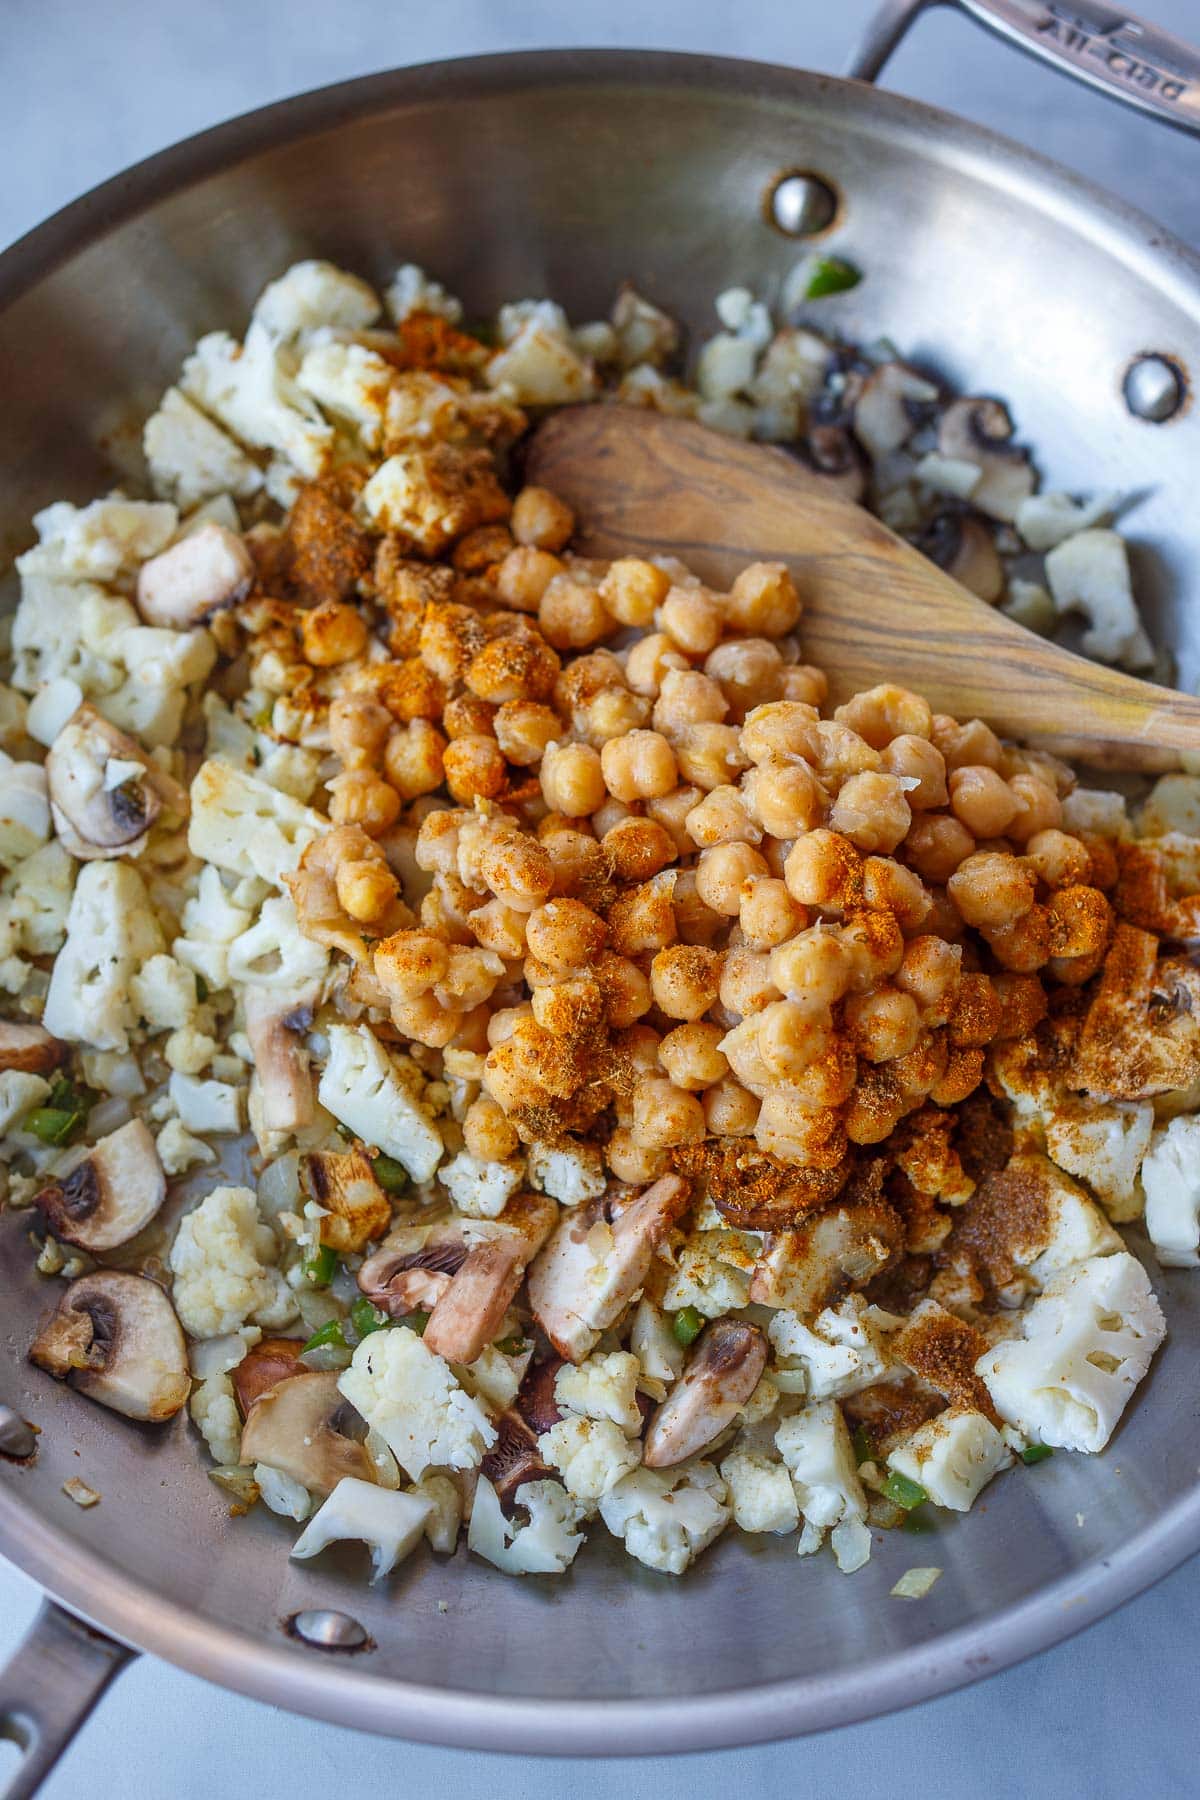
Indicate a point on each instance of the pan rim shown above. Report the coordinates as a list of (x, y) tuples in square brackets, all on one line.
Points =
[(352, 1695)]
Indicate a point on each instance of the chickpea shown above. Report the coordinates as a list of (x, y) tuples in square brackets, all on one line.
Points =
[(365, 888), (571, 615), (883, 1024), (691, 1056), (625, 989), (768, 915), (523, 730), (886, 712), (630, 1161), (446, 909), (1080, 921), (475, 768), (1022, 1003), (871, 811), (643, 918), (566, 934), (425, 1020), (361, 798), (830, 1080), (695, 922), (466, 716), (874, 948), (781, 731), (824, 870), (962, 745), (876, 1106), (919, 1072), (648, 661), (438, 840), (709, 755), (540, 518), (721, 873), (746, 984), (791, 1038), (664, 1115), (1039, 808), (730, 1110), (575, 859), (983, 800), (740, 1047), (482, 549), (686, 697), (513, 668), (964, 1072), (504, 1022), (930, 972), (813, 969), (749, 673), (639, 767), (685, 980), (633, 589), (936, 845), (1023, 944), (889, 887), (915, 759), (636, 849), (612, 713), (497, 927), (1058, 859), (358, 729), (813, 1138), (786, 798), (692, 619), (571, 1008), (671, 812), (523, 577), (518, 870), (841, 753), (572, 779), (991, 888), (722, 817), (486, 1132), (975, 1018), (413, 759), (471, 977), (332, 633), (802, 682), (763, 601)]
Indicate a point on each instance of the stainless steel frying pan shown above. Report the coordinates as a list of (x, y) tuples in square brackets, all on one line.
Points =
[(562, 174)]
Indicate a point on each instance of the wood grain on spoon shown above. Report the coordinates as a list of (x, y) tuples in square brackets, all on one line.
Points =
[(875, 609)]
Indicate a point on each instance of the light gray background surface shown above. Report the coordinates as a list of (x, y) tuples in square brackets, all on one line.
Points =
[(86, 89)]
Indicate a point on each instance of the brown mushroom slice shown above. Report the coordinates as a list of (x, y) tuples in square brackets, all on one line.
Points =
[(357, 1209), (116, 1339), (208, 569), (537, 1402), (470, 1313), (844, 1246), (597, 1259), (965, 548), (979, 431), (887, 409), (513, 1459), (111, 1195), (293, 1427), (105, 791), (276, 1027), (270, 1362), (721, 1375), (399, 1280), (29, 1048), (831, 454)]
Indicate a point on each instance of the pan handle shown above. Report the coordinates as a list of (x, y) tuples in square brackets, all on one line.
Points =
[(48, 1689), (1099, 44)]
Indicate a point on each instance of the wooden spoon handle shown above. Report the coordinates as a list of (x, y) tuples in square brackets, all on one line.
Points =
[(874, 608)]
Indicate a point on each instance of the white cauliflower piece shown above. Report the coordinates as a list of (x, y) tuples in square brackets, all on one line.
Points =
[(1173, 804), (1047, 519), (312, 294), (250, 388), (816, 1447), (836, 1355), (350, 382), (537, 361), (603, 1387), (445, 1511), (952, 1456), (655, 1345), (161, 665), (221, 1260), (242, 824), (36, 895), (1089, 573), (1083, 1347), (216, 1417), (67, 631), (1171, 1179), (20, 1092), (712, 1274), (111, 932), (1095, 810), (281, 1493), (205, 1105), (569, 1173), (546, 1545), (190, 459), (1103, 1142), (390, 1523), (760, 1492), (274, 953), (103, 542), (411, 291), (365, 1089), (591, 1455), (164, 993), (179, 1151), (55, 702), (478, 1188), (667, 1517), (211, 921), (410, 1397), (494, 1377), (24, 809)]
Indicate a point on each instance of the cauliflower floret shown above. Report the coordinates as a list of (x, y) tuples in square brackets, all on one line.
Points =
[(433, 495), (216, 1417), (312, 294), (816, 1447), (547, 1545), (591, 1455), (111, 932), (569, 1173), (445, 1511), (603, 1387), (655, 1345), (668, 1517), (478, 1188), (274, 953), (727, 362), (1173, 804), (36, 894), (221, 1261), (1047, 519), (20, 1092), (391, 1523), (242, 824), (1104, 1143), (211, 922), (161, 666), (350, 382), (178, 1150), (164, 993), (104, 542), (410, 1397), (952, 1457), (1089, 573), (24, 809), (760, 1492), (1095, 810), (712, 1273), (205, 1105), (250, 388), (537, 360), (1084, 1346), (190, 459), (836, 1355), (1171, 1179), (364, 1088), (411, 291)]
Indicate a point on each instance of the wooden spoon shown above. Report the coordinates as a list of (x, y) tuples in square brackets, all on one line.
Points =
[(875, 609)]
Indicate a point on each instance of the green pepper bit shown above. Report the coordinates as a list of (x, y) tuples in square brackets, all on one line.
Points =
[(1035, 1453), (510, 1346), (864, 1449), (903, 1492), (416, 1321), (831, 275), (918, 1522), (54, 1124), (391, 1175), (320, 1267), (330, 1333), (687, 1324), (367, 1318)]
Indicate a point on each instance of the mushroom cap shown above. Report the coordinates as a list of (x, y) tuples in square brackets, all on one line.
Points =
[(206, 570), (722, 1373), (115, 1337), (29, 1048), (513, 1459), (262, 1368), (401, 1278), (965, 548), (111, 1195), (888, 407), (833, 456), (294, 1427), (105, 792), (979, 431), (469, 1313)]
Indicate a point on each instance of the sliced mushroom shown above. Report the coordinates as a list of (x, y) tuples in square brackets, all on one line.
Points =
[(357, 1209), (721, 1375), (29, 1048), (831, 453), (270, 1362), (109, 1196), (889, 407), (276, 1027), (105, 791), (294, 1426), (536, 1401), (596, 1261), (513, 1459), (844, 1246), (965, 548), (469, 1314), (980, 431), (115, 1337), (209, 569), (400, 1278)]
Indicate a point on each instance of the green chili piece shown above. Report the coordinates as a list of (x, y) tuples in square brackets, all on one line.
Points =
[(831, 275), (417, 1321), (367, 1318), (320, 1267), (330, 1333), (903, 1492), (687, 1324), (510, 1346), (864, 1449), (1035, 1453), (54, 1124), (391, 1175)]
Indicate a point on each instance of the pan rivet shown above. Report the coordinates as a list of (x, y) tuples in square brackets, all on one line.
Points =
[(800, 204), (326, 1629), (1155, 388), (16, 1437)]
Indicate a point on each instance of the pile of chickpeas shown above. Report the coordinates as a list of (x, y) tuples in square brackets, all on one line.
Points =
[(667, 899)]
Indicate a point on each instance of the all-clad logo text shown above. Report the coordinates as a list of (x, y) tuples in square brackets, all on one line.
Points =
[(1114, 45)]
